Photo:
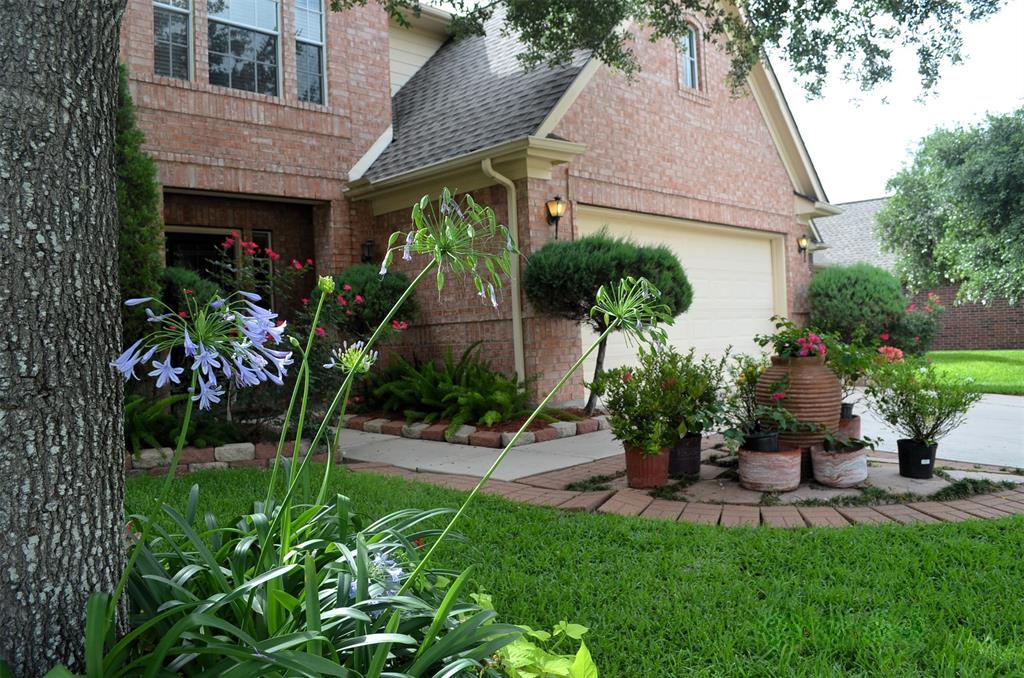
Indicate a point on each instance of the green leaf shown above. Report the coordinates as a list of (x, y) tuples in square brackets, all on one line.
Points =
[(574, 631), (583, 666)]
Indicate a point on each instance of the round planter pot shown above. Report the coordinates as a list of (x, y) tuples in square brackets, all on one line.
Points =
[(762, 442), (846, 411), (770, 471), (644, 471), (841, 468), (917, 459), (849, 428), (814, 395), (684, 457)]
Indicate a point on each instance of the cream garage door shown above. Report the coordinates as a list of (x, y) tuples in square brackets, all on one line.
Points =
[(737, 276)]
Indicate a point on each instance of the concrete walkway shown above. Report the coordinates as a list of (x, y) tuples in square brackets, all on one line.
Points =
[(993, 433), (426, 455)]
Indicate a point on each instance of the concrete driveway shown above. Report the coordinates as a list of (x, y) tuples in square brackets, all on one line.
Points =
[(992, 434)]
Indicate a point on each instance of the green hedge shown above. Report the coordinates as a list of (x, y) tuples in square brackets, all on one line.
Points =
[(847, 300)]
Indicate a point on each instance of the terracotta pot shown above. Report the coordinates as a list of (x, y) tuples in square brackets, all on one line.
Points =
[(814, 395), (770, 471), (644, 471), (841, 468), (849, 428), (684, 457), (917, 458)]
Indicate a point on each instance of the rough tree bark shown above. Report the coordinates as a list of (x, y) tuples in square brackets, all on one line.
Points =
[(61, 445)]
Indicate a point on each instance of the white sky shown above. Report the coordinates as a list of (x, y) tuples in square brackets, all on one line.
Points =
[(858, 140)]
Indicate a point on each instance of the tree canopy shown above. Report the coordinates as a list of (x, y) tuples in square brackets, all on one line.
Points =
[(957, 212), (811, 35)]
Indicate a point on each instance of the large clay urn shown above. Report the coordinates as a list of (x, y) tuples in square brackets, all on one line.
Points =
[(813, 395)]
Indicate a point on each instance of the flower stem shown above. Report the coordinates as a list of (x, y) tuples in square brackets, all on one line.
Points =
[(160, 499), (501, 457)]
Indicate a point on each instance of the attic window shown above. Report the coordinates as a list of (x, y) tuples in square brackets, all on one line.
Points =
[(688, 59)]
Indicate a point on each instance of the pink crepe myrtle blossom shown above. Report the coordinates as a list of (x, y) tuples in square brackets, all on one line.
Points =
[(321, 332), (296, 264), (778, 396), (890, 354), (399, 325)]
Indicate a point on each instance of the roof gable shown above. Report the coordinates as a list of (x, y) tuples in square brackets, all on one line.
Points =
[(850, 236)]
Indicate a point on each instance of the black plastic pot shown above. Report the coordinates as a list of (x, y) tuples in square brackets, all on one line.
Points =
[(767, 441), (684, 457), (846, 411), (917, 459)]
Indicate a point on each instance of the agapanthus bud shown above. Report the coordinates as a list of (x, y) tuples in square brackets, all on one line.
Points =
[(326, 284), (294, 342)]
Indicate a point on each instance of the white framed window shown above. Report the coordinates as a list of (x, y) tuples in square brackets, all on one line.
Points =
[(309, 50), (172, 38), (688, 59), (244, 45)]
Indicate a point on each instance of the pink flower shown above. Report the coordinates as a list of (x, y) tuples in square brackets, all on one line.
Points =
[(182, 314), (189, 292), (359, 298), (305, 301), (274, 256), (884, 336), (399, 325), (778, 396), (813, 338), (627, 377), (342, 301), (912, 308), (320, 332), (346, 287), (804, 352), (891, 354), (296, 265), (234, 234), (309, 262), (348, 312), (228, 243)]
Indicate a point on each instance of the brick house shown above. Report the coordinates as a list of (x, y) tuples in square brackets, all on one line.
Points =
[(851, 239), (316, 131)]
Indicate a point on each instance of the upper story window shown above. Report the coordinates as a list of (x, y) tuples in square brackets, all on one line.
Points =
[(244, 45), (172, 53), (309, 49), (688, 57)]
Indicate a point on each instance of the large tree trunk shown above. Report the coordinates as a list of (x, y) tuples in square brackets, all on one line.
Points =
[(61, 445)]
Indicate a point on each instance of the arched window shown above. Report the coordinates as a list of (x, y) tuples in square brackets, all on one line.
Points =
[(688, 59)]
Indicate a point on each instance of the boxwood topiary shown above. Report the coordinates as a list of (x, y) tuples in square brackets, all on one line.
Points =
[(861, 297), (562, 278)]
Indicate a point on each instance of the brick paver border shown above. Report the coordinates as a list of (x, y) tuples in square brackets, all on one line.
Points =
[(547, 489)]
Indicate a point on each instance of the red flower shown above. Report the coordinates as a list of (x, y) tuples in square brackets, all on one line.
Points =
[(346, 287), (189, 292), (627, 377), (309, 262), (358, 399), (348, 312), (359, 298), (234, 234), (342, 301), (228, 243), (778, 396), (891, 354), (182, 314), (320, 332), (172, 327), (419, 542), (399, 325), (274, 256), (232, 332), (305, 301), (296, 265), (884, 336)]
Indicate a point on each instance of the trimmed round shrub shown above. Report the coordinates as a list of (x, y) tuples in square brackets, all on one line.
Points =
[(562, 278), (362, 299), (855, 300), (175, 280)]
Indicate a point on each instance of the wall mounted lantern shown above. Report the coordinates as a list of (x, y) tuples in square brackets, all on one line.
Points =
[(368, 251), (801, 244), (556, 210)]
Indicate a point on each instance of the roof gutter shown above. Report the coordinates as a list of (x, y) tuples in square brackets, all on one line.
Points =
[(519, 354)]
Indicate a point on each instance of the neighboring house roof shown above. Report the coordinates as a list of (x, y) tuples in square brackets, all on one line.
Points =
[(471, 94), (850, 236)]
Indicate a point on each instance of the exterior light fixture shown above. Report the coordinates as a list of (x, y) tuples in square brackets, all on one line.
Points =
[(368, 251), (556, 210), (801, 244)]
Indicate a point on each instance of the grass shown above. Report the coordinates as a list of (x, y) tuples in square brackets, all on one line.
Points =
[(992, 371), (671, 599)]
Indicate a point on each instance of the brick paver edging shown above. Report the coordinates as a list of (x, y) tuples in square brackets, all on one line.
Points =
[(629, 502), (470, 435)]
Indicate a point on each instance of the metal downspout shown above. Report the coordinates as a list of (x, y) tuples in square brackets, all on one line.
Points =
[(517, 306)]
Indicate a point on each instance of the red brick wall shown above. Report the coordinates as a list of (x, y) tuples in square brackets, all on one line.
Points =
[(977, 326), (218, 139)]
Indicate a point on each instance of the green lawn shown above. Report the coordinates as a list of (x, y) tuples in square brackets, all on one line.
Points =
[(669, 599), (994, 371)]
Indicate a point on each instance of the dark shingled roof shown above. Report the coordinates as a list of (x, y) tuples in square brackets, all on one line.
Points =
[(471, 94), (850, 236)]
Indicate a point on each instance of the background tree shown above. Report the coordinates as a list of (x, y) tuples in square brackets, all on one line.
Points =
[(957, 212), (811, 35), (61, 442), (562, 279), (138, 206)]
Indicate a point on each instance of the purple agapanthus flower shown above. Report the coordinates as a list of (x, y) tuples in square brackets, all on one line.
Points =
[(138, 300), (165, 372), (407, 250), (209, 394), (190, 347), (206, 360)]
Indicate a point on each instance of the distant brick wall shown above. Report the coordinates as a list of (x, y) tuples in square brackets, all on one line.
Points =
[(977, 326)]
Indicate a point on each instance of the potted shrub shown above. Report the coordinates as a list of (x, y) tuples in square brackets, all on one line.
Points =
[(637, 416), (692, 397), (850, 362), (813, 392), (753, 431), (922, 406), (841, 461)]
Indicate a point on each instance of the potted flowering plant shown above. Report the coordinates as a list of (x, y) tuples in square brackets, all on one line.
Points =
[(752, 430), (692, 396), (850, 363), (638, 416), (813, 394), (922, 406)]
